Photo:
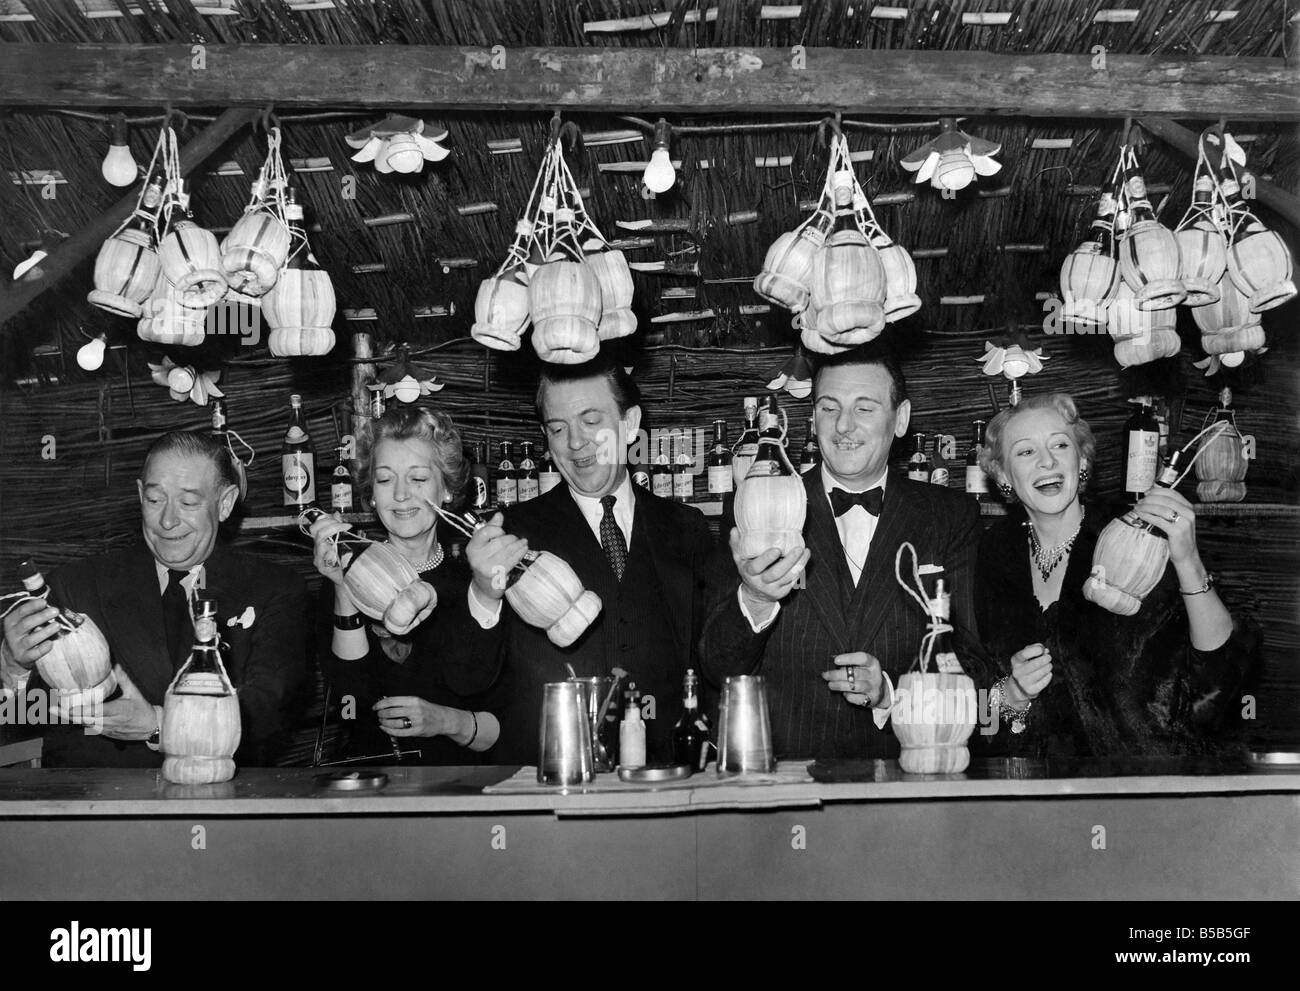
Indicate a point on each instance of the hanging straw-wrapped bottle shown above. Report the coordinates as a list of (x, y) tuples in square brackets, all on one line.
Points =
[(1148, 252), (1259, 261), (299, 308), (1090, 273), (1202, 250), (565, 298), (501, 307), (127, 266), (771, 502), (935, 703), (201, 725), (382, 583), (258, 244)]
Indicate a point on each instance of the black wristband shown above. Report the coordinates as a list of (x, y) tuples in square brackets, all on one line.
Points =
[(353, 622)]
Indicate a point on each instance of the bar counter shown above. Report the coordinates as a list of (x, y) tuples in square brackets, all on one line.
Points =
[(1006, 829)]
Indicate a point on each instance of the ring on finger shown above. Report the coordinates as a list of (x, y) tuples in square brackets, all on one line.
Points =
[(406, 722), (852, 684), (1174, 519)]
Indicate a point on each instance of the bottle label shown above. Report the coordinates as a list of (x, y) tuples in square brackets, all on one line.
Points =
[(296, 435), (720, 480), (548, 480), (683, 485), (742, 459), (977, 483), (947, 663), (341, 496), (1143, 460), (1137, 188), (507, 491), (480, 497), (298, 469), (918, 471), (529, 488), (640, 477), (662, 485), (767, 420), (939, 476), (200, 683), (806, 467)]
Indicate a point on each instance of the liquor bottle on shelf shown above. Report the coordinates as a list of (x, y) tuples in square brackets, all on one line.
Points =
[(547, 477), (638, 464), (683, 467), (811, 456), (220, 429), (341, 485), (661, 472), (939, 470), (745, 449), (918, 465), (480, 495), (507, 480), (1141, 450), (719, 463), (526, 474), (691, 732), (977, 482), (298, 459), (631, 734)]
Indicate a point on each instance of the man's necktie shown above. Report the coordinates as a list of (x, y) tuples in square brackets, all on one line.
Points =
[(611, 538), (871, 500), (177, 624)]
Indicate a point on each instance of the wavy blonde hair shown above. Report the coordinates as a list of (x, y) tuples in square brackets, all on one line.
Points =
[(402, 422), (993, 457)]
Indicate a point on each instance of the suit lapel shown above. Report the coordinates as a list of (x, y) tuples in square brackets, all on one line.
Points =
[(877, 586), (581, 549), (828, 573), (134, 613), (670, 564)]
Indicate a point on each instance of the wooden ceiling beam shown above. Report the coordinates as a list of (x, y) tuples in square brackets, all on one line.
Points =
[(718, 80), (85, 242)]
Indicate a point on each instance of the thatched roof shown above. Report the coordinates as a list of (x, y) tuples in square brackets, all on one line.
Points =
[(1002, 239)]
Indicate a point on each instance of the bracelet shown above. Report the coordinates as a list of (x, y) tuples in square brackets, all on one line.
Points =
[(1205, 587), (353, 622), (1006, 712), (474, 716)]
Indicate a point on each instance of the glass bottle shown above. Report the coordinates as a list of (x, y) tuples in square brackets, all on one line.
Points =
[(811, 456), (527, 484), (719, 462), (547, 477), (507, 481), (683, 465), (939, 470), (341, 484), (298, 459), (631, 734), (661, 472), (637, 465), (745, 449), (977, 482), (691, 733), (918, 465), (1141, 450), (768, 460), (204, 673), (943, 657), (480, 492)]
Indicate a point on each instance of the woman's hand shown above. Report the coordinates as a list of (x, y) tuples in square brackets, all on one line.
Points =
[(1031, 672), (325, 556), (409, 715), (1176, 519), (491, 553)]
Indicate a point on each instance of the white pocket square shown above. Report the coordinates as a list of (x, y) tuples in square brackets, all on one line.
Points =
[(244, 619)]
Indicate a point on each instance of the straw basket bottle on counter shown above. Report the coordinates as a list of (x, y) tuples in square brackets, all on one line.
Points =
[(935, 710), (201, 724), (1221, 468), (771, 503), (383, 584), (299, 308), (78, 664), (564, 297), (1148, 251), (1090, 273), (127, 266)]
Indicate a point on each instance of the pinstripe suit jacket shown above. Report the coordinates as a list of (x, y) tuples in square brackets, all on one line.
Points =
[(831, 616)]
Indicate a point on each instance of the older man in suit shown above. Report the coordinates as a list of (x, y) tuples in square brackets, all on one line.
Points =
[(139, 598), (829, 627), (647, 558)]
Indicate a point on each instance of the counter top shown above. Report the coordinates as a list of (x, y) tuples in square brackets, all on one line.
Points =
[(105, 792)]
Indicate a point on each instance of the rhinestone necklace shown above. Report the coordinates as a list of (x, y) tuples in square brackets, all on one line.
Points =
[(1046, 559)]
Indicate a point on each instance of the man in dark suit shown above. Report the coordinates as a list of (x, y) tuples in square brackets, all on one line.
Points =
[(645, 556), (139, 599), (828, 626)]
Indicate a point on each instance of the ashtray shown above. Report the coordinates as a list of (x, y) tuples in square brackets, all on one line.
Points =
[(663, 772), (352, 780)]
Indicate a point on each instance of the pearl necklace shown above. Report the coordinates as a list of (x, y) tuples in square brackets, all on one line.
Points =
[(433, 561), (1048, 559)]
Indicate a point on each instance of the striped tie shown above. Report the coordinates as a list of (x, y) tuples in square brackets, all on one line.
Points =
[(611, 538)]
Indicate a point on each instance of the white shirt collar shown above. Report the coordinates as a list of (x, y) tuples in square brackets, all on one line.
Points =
[(829, 482), (624, 506), (187, 583)]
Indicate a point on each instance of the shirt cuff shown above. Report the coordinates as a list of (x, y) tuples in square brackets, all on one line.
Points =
[(881, 713), (744, 611), (486, 616), (13, 676)]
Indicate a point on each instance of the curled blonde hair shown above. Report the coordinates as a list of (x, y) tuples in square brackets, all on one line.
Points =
[(993, 457), (402, 422)]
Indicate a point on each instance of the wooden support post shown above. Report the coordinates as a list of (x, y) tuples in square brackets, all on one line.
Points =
[(363, 373), (85, 242), (1277, 199)]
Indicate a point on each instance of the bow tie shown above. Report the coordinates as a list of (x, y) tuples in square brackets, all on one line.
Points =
[(871, 500)]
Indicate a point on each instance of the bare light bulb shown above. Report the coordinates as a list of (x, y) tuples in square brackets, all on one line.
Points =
[(659, 174), (90, 356), (407, 389), (1232, 359), (29, 263), (954, 171), (119, 167), (180, 379)]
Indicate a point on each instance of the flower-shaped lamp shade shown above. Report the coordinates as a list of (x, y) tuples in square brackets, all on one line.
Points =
[(953, 159), (794, 375), (399, 381), (1011, 362), (398, 144), (184, 382)]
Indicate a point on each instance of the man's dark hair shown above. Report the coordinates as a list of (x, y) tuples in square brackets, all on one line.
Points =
[(626, 393), (194, 444), (873, 353)]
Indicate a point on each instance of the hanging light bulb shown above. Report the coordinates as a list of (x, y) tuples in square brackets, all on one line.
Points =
[(90, 356), (119, 167), (953, 159), (406, 389), (659, 174)]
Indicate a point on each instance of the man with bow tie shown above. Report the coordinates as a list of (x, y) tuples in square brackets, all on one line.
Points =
[(139, 598), (829, 627)]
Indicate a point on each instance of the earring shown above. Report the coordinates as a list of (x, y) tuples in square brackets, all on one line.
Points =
[(1007, 492), (1083, 474)]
